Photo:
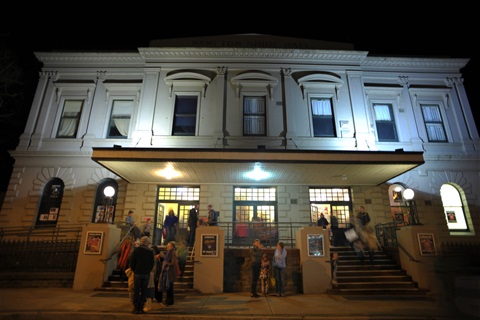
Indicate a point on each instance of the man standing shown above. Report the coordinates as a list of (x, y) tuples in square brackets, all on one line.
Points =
[(212, 216), (141, 263), (192, 225), (256, 264)]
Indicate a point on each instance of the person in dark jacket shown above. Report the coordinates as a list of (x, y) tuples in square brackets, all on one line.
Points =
[(192, 225), (322, 221), (256, 253), (141, 263)]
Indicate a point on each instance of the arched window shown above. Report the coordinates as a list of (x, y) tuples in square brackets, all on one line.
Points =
[(105, 201), (453, 208), (49, 209)]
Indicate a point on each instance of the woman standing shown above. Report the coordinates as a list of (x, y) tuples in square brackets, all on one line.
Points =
[(171, 222), (280, 268), (169, 273)]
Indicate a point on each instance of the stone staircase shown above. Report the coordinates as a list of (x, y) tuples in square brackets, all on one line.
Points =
[(118, 283), (382, 276)]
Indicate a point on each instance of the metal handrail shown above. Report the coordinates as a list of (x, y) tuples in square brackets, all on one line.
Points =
[(54, 231)]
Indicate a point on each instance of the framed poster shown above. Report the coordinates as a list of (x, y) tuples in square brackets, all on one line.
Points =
[(451, 218), (426, 242), (315, 245), (209, 245), (94, 242)]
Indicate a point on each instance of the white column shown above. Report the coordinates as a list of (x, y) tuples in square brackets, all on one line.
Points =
[(34, 111), (142, 134)]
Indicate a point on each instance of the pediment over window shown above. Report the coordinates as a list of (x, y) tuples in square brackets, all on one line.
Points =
[(320, 81), (187, 79), (254, 80)]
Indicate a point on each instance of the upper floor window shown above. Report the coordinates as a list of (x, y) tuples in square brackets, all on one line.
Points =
[(185, 116), (322, 117), (254, 116), (385, 122), (70, 120), (119, 124), (433, 123)]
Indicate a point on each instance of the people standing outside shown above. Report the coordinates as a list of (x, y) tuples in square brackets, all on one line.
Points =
[(134, 230), (363, 216), (366, 234), (182, 253), (159, 256), (192, 224), (212, 216), (141, 263), (169, 273), (147, 229), (171, 222), (256, 264), (265, 273), (279, 263), (322, 221)]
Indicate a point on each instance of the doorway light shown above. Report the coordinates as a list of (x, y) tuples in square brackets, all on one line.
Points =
[(168, 173), (257, 173)]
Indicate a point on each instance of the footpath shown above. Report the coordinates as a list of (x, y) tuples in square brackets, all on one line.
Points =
[(66, 303)]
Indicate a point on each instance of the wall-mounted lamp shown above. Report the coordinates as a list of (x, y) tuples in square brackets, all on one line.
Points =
[(408, 195)]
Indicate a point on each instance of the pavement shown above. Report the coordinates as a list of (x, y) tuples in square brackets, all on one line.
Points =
[(66, 303)]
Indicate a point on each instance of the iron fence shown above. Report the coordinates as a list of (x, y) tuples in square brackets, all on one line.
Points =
[(44, 249)]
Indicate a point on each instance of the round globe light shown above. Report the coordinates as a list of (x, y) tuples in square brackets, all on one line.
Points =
[(109, 191), (408, 194)]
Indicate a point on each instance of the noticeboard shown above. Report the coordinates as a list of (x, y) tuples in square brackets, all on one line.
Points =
[(209, 245)]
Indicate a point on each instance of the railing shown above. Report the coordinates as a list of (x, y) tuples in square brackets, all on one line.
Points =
[(40, 249), (387, 235), (241, 234)]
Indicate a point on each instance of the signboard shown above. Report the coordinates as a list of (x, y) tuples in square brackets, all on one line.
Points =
[(209, 245), (315, 245)]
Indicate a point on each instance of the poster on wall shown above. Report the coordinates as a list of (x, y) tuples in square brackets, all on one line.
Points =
[(93, 244), (209, 245), (426, 242), (315, 245), (451, 218)]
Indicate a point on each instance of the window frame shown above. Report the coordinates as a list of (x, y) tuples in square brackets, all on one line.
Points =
[(61, 117), (333, 121), (441, 122), (177, 95), (392, 121), (251, 96), (110, 118)]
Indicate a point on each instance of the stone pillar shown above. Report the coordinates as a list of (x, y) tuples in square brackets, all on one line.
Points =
[(93, 268), (209, 256), (314, 259)]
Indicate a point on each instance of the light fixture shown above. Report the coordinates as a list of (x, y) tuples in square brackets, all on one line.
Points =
[(168, 173), (109, 191), (257, 173), (408, 195)]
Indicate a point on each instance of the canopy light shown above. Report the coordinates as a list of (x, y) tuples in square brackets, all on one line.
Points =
[(257, 173), (168, 173)]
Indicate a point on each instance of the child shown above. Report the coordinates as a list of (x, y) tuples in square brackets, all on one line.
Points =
[(264, 273)]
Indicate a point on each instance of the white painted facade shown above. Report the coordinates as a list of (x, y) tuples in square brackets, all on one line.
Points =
[(220, 77)]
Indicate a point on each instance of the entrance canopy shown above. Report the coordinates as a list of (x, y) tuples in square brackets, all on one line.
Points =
[(255, 166)]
